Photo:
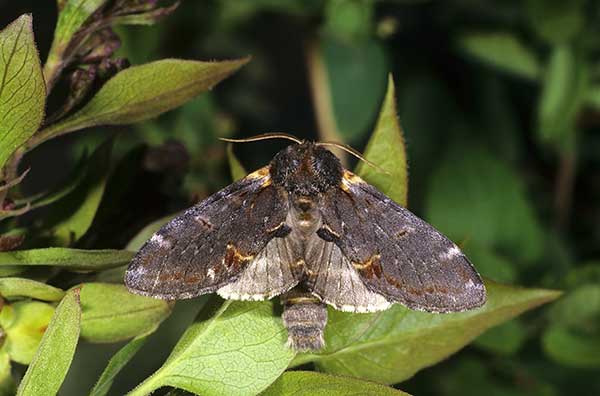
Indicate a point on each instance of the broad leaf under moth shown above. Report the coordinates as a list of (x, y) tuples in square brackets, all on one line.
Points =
[(307, 229)]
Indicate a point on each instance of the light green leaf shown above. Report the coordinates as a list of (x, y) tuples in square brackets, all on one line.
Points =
[(110, 313), (563, 95), (55, 353), (73, 259), (237, 349), (386, 149), (23, 287), (391, 346), (7, 383), (235, 167), (502, 50), (142, 92), (308, 383), (22, 89), (479, 200), (24, 323), (71, 18), (116, 364), (73, 215)]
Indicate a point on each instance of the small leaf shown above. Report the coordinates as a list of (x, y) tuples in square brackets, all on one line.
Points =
[(73, 259), (110, 313), (71, 18), (24, 323), (563, 95), (55, 353), (391, 346), (116, 364), (22, 89), (142, 92), (239, 349), (73, 215), (386, 149), (235, 167), (23, 287), (308, 383), (502, 50)]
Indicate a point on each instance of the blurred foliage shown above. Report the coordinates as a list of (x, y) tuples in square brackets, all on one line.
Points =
[(499, 103)]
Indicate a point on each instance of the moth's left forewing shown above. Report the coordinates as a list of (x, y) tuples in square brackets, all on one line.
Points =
[(398, 255)]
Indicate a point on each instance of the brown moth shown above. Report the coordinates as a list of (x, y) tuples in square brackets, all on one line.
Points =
[(308, 230)]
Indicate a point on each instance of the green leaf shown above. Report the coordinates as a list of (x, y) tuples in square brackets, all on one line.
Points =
[(502, 50), (386, 149), (22, 89), (23, 287), (477, 199), (571, 349), (7, 383), (356, 73), (55, 353), (74, 215), (73, 259), (235, 167), (391, 346), (232, 348), (557, 21), (110, 313), (71, 18), (116, 364), (350, 20), (563, 96), (24, 323), (308, 383), (504, 340), (143, 92)]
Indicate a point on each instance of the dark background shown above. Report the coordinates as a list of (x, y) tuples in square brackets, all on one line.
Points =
[(516, 185)]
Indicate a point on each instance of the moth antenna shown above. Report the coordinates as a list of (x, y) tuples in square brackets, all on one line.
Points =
[(264, 136), (355, 153)]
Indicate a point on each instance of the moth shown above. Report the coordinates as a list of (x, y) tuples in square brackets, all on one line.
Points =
[(315, 234)]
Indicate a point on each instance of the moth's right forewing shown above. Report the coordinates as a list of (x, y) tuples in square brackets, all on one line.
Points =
[(210, 244)]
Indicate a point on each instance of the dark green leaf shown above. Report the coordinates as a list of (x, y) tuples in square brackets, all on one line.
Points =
[(479, 200), (23, 287), (110, 313), (563, 94), (502, 50), (142, 92), (74, 214), (235, 167), (505, 339), (73, 259), (116, 364), (22, 89), (557, 21), (307, 383), (570, 348), (24, 324), (350, 20), (386, 149), (237, 349), (391, 346), (53, 357)]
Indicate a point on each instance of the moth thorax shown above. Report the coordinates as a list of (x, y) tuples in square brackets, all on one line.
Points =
[(305, 319)]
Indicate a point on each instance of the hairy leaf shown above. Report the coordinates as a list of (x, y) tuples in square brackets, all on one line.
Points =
[(73, 259), (386, 149), (24, 324), (53, 358), (22, 89), (392, 345), (110, 313), (116, 364), (142, 92), (502, 50), (239, 349), (23, 287), (308, 383)]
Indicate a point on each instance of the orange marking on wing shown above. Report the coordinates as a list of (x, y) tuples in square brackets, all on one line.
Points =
[(371, 267), (234, 259)]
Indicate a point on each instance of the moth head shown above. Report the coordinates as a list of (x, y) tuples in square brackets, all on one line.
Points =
[(306, 169)]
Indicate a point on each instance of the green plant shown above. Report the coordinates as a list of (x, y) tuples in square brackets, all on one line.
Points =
[(58, 289)]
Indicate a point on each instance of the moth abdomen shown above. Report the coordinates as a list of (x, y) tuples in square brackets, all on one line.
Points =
[(304, 317)]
